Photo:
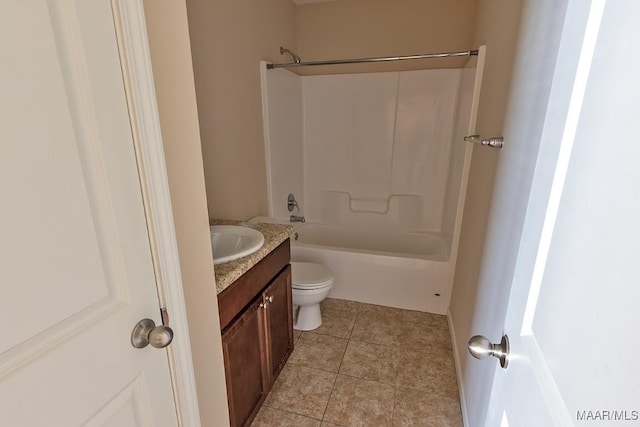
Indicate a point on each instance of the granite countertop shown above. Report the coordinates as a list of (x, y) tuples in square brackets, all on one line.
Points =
[(274, 234)]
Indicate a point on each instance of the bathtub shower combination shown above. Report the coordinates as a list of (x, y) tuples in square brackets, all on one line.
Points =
[(378, 165)]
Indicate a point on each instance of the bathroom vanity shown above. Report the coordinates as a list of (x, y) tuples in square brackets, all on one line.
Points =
[(256, 321)]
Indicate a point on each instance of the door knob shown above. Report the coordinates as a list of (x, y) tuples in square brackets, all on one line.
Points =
[(146, 332), (480, 347)]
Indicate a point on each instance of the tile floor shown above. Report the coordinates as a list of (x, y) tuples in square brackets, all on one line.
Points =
[(367, 365)]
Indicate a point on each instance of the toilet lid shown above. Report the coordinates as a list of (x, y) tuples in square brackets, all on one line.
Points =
[(309, 275)]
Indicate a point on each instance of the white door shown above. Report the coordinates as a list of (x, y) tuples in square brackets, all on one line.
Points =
[(76, 266), (572, 315), (536, 54)]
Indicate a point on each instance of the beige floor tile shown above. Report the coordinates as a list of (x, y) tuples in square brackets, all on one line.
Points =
[(319, 351), (377, 330), (271, 417), (336, 323), (429, 372), (380, 311), (340, 304), (425, 338), (384, 355), (437, 320), (370, 361), (416, 408), (358, 402), (301, 390)]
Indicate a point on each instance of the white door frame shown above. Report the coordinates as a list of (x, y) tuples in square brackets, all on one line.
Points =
[(137, 73)]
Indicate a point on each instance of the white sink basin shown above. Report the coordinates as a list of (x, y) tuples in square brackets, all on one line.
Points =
[(230, 242)]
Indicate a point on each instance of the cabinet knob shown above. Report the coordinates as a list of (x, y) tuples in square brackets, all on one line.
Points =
[(263, 305), (269, 298)]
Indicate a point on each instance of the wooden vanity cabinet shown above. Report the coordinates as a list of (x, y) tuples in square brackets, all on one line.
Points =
[(257, 332), (243, 348), (279, 321)]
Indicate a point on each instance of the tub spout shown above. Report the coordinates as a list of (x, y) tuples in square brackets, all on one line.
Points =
[(297, 218)]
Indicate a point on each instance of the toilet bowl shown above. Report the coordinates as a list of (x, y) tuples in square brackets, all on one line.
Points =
[(311, 283)]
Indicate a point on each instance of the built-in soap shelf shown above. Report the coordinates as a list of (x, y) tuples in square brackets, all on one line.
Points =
[(404, 210), (375, 205)]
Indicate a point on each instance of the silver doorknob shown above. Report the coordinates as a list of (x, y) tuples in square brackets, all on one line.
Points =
[(480, 347), (146, 332)]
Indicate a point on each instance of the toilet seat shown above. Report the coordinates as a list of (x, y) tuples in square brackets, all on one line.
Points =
[(309, 275)]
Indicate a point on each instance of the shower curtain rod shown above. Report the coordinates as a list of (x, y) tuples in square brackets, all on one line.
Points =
[(299, 63)]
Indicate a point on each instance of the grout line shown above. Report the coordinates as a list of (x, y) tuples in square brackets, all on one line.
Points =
[(343, 354), (339, 366), (399, 348), (311, 367), (294, 413), (330, 394), (367, 379), (396, 385), (354, 324), (393, 409)]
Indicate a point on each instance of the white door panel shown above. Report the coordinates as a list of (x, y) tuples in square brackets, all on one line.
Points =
[(536, 55), (76, 264), (572, 312), (129, 407)]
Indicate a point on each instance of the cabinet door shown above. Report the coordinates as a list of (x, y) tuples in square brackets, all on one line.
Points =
[(245, 355), (280, 320)]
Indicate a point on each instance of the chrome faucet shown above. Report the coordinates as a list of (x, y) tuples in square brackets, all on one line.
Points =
[(297, 218)]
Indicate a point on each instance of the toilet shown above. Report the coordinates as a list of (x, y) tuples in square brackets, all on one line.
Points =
[(311, 283)]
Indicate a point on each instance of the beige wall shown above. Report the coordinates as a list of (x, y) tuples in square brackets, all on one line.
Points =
[(173, 75), (365, 28), (497, 27), (229, 37)]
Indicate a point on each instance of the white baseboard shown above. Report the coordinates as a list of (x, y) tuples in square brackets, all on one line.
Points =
[(458, 363)]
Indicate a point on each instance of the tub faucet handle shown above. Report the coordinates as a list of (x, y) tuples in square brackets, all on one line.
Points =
[(292, 203), (494, 142)]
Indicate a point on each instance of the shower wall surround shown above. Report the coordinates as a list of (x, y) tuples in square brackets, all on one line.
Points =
[(282, 121), (378, 144), (380, 150), (379, 167)]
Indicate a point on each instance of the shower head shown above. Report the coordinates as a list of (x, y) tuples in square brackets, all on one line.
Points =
[(294, 57)]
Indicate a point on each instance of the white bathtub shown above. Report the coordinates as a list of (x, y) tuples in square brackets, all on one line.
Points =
[(405, 245), (404, 270), (409, 271)]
